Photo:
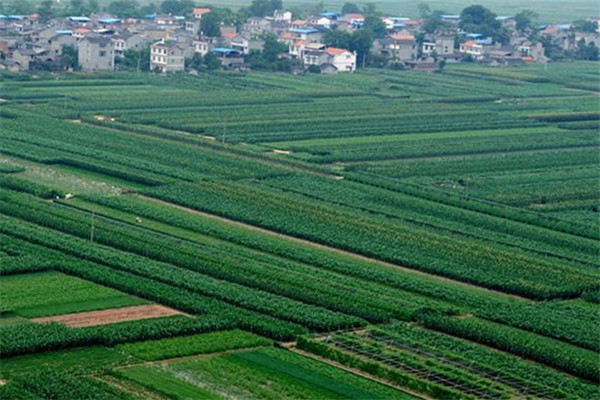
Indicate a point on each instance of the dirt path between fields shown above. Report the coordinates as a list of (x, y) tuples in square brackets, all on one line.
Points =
[(328, 248), (110, 316)]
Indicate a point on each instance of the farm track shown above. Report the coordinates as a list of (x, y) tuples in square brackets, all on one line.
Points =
[(328, 248), (224, 150), (450, 230), (453, 155)]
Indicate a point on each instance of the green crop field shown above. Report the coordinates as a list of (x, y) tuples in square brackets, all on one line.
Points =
[(381, 234), (50, 293)]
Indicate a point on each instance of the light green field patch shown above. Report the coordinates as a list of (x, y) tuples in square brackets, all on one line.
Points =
[(195, 344), (163, 382), (53, 293), (276, 373)]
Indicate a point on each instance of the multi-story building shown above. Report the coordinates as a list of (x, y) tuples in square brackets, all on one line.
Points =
[(167, 56), (96, 53)]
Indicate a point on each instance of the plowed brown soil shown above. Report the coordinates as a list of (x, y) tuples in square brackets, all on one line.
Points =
[(109, 316)]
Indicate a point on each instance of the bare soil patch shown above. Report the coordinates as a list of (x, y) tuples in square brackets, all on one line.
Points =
[(109, 316)]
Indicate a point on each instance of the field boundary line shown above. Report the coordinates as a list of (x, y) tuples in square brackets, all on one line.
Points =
[(328, 248)]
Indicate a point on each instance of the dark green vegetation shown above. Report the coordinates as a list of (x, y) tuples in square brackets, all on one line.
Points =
[(454, 216)]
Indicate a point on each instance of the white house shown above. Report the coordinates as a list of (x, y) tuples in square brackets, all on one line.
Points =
[(342, 59), (471, 48), (281, 15), (167, 56)]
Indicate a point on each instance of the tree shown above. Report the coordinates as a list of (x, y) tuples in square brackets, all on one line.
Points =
[(525, 21), (93, 6), (441, 65), (77, 7), (588, 52), (177, 7), (361, 43), (195, 62), (337, 38), (373, 21), (316, 8), (272, 48), (584, 26), (350, 8), (424, 10), (212, 62), (46, 10), (124, 8), (478, 19), (22, 7), (210, 24), (262, 8), (149, 9), (69, 58), (434, 22)]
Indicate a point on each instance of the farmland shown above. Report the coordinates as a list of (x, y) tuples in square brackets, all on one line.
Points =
[(369, 235)]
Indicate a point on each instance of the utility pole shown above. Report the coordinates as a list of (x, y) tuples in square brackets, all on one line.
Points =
[(92, 228)]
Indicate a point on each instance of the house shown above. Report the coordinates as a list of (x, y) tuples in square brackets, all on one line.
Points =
[(96, 53), (58, 41), (535, 51), (441, 45), (23, 57), (127, 41), (321, 21), (281, 15), (167, 56), (299, 24), (245, 45), (342, 59), (315, 57), (356, 20), (472, 49), (307, 34), (256, 26), (192, 26), (229, 57), (199, 12), (296, 48), (397, 47), (165, 20), (203, 46)]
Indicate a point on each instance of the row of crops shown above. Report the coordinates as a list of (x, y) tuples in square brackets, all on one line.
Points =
[(444, 366), (446, 218), (230, 271), (376, 236)]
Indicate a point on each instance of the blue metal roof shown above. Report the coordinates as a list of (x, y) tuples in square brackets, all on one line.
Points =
[(474, 35), (450, 16), (2, 16), (64, 32), (79, 19), (330, 14), (150, 16), (109, 20), (19, 17), (307, 30), (224, 50), (179, 17)]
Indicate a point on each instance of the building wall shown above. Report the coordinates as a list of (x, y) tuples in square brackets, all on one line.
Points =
[(94, 57)]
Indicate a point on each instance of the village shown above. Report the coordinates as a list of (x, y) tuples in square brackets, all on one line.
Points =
[(329, 42)]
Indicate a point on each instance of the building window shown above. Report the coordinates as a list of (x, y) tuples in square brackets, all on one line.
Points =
[(102, 53)]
